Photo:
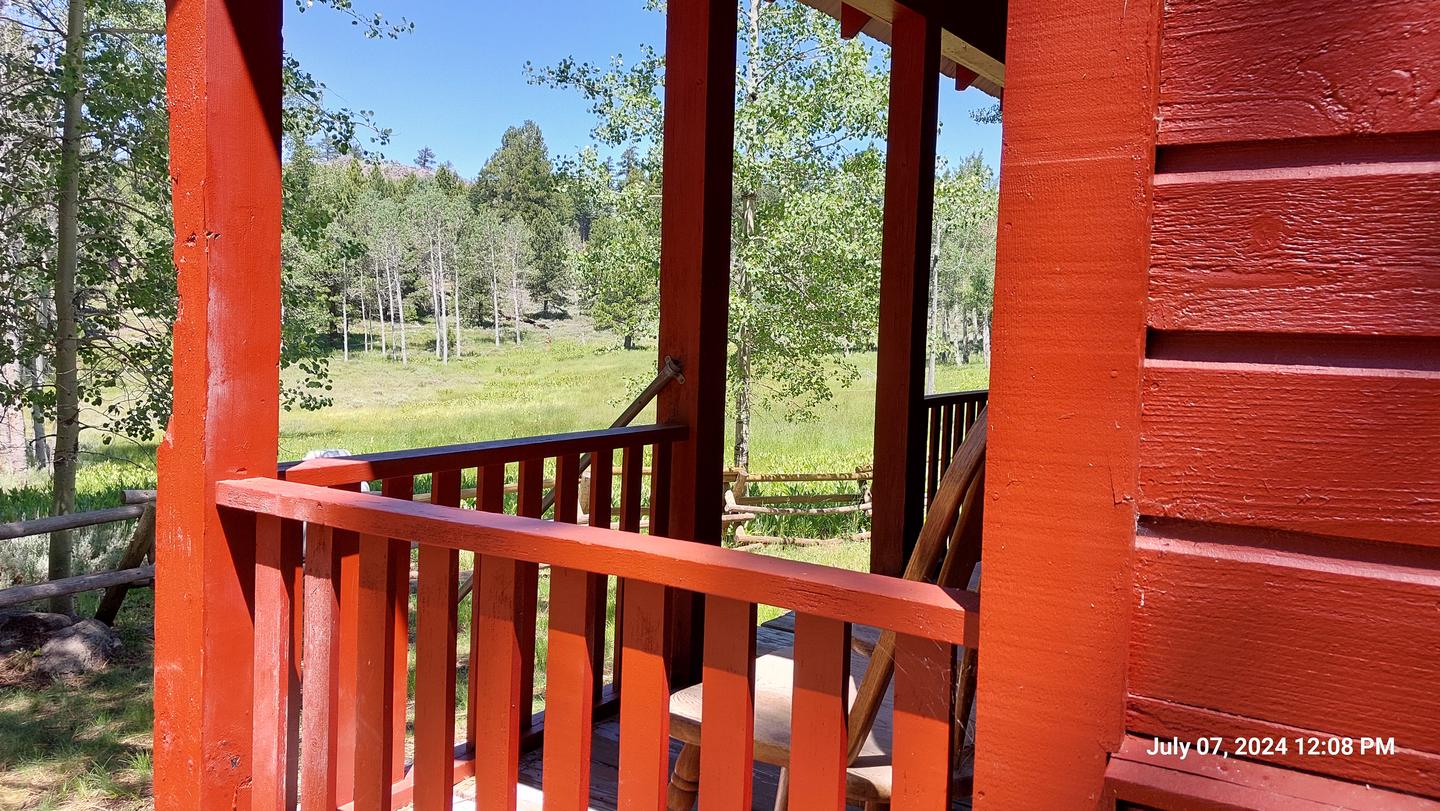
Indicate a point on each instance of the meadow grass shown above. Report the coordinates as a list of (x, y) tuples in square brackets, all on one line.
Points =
[(86, 743)]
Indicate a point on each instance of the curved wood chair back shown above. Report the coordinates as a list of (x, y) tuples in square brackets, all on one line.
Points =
[(946, 553)]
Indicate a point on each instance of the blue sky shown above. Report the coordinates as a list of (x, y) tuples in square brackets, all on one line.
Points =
[(457, 81)]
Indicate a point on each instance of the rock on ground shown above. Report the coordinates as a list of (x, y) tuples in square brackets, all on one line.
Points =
[(28, 631), (84, 647)]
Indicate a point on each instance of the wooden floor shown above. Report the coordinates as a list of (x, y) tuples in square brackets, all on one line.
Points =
[(605, 752)]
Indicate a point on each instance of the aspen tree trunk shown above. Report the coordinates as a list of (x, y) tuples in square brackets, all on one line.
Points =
[(67, 373), (964, 355), (14, 447), (364, 319), (398, 310), (444, 314), (14, 457), (345, 315), (40, 455), (515, 296), (930, 324), (984, 328), (434, 299), (457, 309), (495, 294), (380, 310), (744, 384)]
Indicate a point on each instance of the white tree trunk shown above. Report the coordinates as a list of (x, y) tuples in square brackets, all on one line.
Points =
[(495, 295), (984, 327), (930, 324), (40, 455), (515, 297), (397, 308), (67, 337), (13, 446), (963, 358), (380, 312), (345, 317), (364, 319), (444, 314), (434, 297), (457, 309)]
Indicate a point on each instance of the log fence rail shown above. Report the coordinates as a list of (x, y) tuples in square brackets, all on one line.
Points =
[(132, 571)]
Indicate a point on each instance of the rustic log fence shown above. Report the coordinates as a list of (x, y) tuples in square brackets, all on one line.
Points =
[(742, 506), (136, 566)]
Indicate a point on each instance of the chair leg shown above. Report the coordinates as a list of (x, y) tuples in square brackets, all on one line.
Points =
[(685, 780), (782, 790)]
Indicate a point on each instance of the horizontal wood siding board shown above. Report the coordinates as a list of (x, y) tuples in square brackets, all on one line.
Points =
[(418, 461), (1347, 452), (1205, 782), (1288, 638), (1406, 770), (1234, 70), (921, 609), (1333, 255)]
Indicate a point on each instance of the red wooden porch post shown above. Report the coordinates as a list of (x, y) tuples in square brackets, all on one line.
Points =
[(224, 99), (898, 490), (695, 272), (1070, 289)]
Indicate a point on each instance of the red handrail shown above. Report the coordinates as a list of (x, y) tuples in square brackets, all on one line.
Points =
[(421, 461), (949, 417), (922, 609)]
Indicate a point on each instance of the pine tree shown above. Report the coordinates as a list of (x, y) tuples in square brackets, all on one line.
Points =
[(519, 181)]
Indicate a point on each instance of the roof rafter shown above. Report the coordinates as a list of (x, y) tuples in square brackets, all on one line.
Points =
[(972, 38)]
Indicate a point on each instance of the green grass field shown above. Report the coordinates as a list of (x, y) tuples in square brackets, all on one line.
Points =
[(86, 744)]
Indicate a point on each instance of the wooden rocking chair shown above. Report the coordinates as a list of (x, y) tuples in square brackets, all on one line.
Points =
[(947, 552)]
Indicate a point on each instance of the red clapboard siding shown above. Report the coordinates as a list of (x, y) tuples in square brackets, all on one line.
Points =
[(1217, 783), (1288, 637), (1234, 70), (1354, 254), (1329, 451)]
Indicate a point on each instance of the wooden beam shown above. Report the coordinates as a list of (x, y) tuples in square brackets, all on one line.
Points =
[(972, 34), (1070, 286), (695, 275), (852, 21), (898, 492), (964, 77), (224, 92)]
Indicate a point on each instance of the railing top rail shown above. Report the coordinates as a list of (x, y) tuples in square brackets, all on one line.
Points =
[(956, 396), (419, 461), (921, 609)]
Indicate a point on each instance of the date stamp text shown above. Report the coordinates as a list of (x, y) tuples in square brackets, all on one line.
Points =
[(1263, 746)]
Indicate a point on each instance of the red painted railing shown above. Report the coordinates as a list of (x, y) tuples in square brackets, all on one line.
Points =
[(931, 621), (352, 600), (950, 417)]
